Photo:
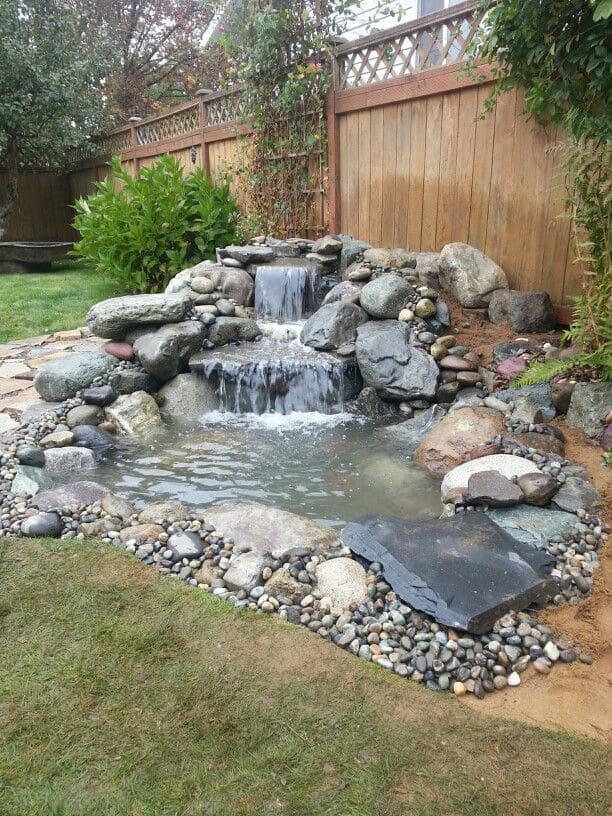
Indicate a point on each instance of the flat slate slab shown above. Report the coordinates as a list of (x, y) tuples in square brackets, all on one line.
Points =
[(464, 571)]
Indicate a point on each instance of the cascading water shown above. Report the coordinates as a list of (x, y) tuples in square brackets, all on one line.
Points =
[(286, 290)]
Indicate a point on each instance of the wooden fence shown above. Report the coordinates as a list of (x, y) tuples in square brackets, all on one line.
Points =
[(42, 211), (410, 163)]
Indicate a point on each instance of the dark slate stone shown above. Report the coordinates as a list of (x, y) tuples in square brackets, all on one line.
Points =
[(463, 571), (576, 494), (99, 395), (100, 442), (129, 380)]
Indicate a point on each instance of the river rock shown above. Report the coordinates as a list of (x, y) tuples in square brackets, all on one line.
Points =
[(532, 525), (115, 317), (75, 494), (233, 330), (523, 311), (100, 395), (427, 268), (164, 352), (589, 406), (28, 481), (186, 398), (538, 488), (576, 494), (391, 365), (61, 461), (469, 275), (282, 585), (117, 507), (490, 487), (84, 415), (561, 394), (60, 379), (460, 436), (48, 525), (32, 455), (268, 533), (506, 465), (328, 245), (352, 248), (463, 571), (343, 581), (158, 512), (346, 290), (185, 545), (386, 296), (136, 414), (332, 325), (127, 380), (120, 350), (99, 441), (141, 532), (202, 285), (538, 394)]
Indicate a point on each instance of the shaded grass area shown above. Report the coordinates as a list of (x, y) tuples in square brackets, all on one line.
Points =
[(43, 302), (125, 693)]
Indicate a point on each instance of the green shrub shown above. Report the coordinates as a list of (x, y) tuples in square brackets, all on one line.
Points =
[(144, 230)]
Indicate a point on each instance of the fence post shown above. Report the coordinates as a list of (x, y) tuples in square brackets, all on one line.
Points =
[(134, 120), (201, 93), (333, 149)]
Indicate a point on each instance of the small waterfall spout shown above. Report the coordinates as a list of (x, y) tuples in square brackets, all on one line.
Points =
[(286, 290)]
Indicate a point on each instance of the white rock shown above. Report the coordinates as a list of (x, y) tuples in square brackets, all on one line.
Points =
[(509, 466), (551, 651), (514, 679), (343, 581)]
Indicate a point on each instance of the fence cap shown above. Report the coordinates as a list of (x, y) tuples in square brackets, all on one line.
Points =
[(204, 91), (135, 119)]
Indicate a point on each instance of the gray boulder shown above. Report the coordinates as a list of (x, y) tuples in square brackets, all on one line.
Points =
[(532, 525), (186, 397), (343, 581), (84, 415), (346, 290), (128, 380), (328, 245), (31, 455), (332, 325), (48, 525), (60, 379), (248, 254), (576, 494), (115, 317), (589, 405), (386, 296), (524, 311), (90, 436), (427, 268), (61, 461), (391, 365), (235, 284), (185, 545), (99, 395), (538, 395), (136, 414), (163, 353), (351, 249), (77, 494), (28, 481), (469, 275), (232, 330)]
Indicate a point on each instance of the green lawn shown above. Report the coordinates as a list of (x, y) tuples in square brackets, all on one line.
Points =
[(42, 302), (123, 693)]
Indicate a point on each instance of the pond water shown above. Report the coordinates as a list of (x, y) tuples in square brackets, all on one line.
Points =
[(328, 467)]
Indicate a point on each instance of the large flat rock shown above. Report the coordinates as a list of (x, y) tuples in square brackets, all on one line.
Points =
[(464, 571), (115, 317), (70, 495)]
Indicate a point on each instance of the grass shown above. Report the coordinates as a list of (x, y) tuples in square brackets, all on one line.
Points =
[(44, 302), (123, 693)]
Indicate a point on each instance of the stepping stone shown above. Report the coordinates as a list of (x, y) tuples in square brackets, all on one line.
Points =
[(465, 571)]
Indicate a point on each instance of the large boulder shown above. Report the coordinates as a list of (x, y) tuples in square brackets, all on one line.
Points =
[(128, 380), (386, 296), (427, 268), (391, 365), (115, 317), (524, 311), (461, 436), (233, 330), (248, 254), (186, 397), (136, 414), (332, 325), (262, 534), (60, 379), (511, 467), (163, 353), (234, 283), (397, 258), (469, 275), (589, 405), (77, 494)]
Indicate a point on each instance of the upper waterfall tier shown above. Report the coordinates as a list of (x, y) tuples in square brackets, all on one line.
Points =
[(287, 289)]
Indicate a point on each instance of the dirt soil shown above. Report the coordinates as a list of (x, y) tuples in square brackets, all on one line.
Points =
[(576, 697)]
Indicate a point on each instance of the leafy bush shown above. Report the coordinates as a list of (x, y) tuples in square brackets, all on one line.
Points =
[(144, 229)]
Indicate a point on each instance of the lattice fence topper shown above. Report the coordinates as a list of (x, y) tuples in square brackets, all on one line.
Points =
[(175, 123), (443, 42), (228, 108)]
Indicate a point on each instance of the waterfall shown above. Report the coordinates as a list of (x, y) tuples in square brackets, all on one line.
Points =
[(286, 291)]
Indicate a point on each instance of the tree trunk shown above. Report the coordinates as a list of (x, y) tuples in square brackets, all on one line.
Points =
[(10, 197)]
